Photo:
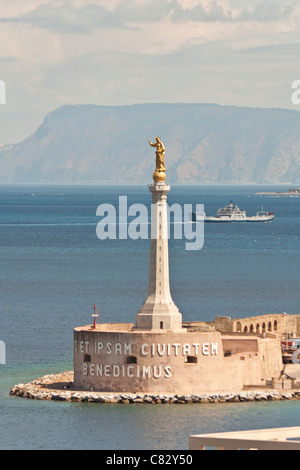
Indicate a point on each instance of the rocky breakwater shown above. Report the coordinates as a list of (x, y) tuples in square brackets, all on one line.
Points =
[(60, 387)]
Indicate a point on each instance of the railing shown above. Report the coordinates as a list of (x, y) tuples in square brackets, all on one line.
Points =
[(260, 439)]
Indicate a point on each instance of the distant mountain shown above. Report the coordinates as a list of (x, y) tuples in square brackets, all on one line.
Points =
[(205, 143)]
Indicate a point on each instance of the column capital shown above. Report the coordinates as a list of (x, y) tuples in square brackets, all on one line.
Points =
[(157, 187)]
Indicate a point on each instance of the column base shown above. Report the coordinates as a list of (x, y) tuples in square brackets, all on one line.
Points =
[(159, 321)]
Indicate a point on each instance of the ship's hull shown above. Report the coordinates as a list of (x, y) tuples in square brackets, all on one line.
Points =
[(235, 219)]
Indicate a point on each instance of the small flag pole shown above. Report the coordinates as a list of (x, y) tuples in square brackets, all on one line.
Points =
[(95, 315)]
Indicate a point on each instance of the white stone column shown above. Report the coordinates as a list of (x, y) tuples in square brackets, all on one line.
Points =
[(159, 312)]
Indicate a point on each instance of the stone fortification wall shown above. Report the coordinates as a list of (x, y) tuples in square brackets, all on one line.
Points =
[(282, 324), (261, 357), (187, 362), (146, 361)]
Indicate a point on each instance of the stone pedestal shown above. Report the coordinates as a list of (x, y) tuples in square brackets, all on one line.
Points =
[(159, 312)]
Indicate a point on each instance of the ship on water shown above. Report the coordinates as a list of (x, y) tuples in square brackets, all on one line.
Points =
[(232, 213), (291, 192)]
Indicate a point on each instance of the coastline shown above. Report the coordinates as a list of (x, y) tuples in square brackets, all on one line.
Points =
[(278, 194), (59, 387)]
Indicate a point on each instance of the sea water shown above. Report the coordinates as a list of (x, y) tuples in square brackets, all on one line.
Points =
[(54, 268)]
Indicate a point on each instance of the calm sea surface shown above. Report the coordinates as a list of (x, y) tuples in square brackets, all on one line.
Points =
[(53, 269)]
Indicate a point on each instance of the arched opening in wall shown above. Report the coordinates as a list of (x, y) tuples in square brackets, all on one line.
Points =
[(161, 325), (263, 327), (87, 358), (131, 360), (257, 328), (238, 326), (245, 329), (269, 326), (251, 329), (275, 325), (191, 359)]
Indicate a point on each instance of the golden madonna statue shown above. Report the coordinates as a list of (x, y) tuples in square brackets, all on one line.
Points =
[(159, 174)]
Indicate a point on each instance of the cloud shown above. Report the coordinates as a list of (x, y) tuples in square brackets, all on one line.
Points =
[(162, 23), (129, 51), (87, 16), (83, 17), (232, 10)]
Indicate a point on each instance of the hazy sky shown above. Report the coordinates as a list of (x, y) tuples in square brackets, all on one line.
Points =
[(115, 52)]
